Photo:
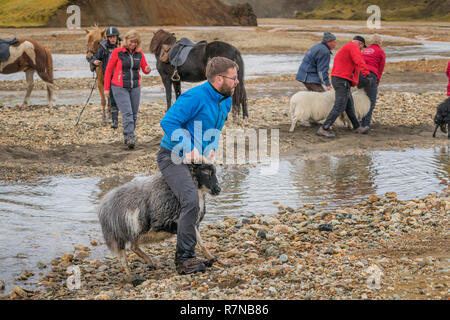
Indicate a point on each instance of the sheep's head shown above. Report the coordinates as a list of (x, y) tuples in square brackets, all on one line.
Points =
[(204, 175)]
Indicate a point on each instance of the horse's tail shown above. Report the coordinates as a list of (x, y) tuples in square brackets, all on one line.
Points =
[(47, 76), (240, 95), (49, 65)]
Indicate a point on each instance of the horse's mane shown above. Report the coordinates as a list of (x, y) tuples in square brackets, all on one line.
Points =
[(96, 32), (161, 37)]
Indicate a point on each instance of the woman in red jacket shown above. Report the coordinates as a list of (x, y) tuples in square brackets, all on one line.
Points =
[(448, 76), (123, 78), (375, 59)]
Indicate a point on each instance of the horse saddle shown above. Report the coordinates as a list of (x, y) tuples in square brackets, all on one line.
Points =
[(180, 51), (4, 48)]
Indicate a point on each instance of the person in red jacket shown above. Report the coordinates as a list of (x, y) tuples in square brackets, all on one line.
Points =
[(348, 63), (375, 59), (123, 78), (448, 76)]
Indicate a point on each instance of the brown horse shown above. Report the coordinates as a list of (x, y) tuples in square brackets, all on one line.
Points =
[(29, 56), (94, 38)]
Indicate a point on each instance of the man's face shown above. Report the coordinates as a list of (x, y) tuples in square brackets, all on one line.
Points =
[(229, 82), (331, 44), (112, 39), (361, 45)]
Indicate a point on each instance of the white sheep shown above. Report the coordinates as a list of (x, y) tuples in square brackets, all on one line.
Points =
[(310, 106)]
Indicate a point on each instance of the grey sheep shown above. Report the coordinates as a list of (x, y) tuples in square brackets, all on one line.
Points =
[(146, 210)]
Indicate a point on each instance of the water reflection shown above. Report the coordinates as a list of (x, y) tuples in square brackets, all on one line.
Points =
[(335, 180)]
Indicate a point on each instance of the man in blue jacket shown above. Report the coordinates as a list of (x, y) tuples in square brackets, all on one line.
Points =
[(192, 127), (313, 71)]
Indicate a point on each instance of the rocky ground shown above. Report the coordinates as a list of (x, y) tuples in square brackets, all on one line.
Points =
[(379, 249)]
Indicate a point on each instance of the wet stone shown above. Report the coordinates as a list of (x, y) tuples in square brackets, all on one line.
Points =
[(261, 234), (326, 227)]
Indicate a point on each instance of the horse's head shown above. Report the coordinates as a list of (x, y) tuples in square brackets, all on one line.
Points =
[(161, 37), (94, 37)]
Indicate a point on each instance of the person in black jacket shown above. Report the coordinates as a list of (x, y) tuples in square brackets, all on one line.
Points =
[(102, 55)]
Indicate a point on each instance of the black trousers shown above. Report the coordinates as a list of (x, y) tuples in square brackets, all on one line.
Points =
[(372, 92), (343, 102), (179, 179)]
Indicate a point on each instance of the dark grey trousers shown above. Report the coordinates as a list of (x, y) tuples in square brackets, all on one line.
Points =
[(179, 179), (127, 100), (343, 102), (372, 92)]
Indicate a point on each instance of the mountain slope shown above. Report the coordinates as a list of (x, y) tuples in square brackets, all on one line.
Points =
[(33, 13), (391, 10)]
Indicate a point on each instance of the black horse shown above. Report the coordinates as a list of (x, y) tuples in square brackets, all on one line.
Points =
[(194, 69)]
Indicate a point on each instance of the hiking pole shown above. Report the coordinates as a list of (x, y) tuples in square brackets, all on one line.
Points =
[(90, 94)]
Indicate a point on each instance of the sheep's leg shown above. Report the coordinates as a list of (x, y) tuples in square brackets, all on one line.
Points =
[(209, 256), (135, 248), (294, 121), (123, 260)]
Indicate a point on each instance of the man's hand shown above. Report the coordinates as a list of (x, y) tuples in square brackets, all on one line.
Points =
[(97, 62), (328, 88), (106, 92), (193, 156)]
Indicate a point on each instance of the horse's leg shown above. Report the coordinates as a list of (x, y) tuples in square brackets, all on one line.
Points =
[(100, 86), (177, 88), (244, 105), (168, 86), (30, 84), (50, 90)]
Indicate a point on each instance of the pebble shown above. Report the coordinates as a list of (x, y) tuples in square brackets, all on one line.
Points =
[(261, 234), (326, 227), (283, 258)]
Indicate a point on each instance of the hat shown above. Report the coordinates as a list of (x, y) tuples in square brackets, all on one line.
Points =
[(328, 36), (359, 38)]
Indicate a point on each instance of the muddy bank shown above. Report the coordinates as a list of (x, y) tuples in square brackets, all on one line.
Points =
[(382, 248)]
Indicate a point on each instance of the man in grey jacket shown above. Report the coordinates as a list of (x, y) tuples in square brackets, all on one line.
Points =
[(313, 71)]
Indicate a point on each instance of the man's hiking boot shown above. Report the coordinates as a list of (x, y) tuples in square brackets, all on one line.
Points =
[(192, 265), (324, 133)]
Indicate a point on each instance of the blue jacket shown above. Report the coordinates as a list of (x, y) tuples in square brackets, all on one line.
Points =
[(195, 112), (315, 65)]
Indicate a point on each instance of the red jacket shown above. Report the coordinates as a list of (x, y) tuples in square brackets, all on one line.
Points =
[(448, 75), (125, 65), (375, 59), (348, 63)]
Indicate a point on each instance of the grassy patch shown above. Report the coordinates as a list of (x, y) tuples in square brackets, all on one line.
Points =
[(28, 13), (391, 10)]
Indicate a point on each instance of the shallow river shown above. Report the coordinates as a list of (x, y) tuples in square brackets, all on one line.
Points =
[(47, 218)]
